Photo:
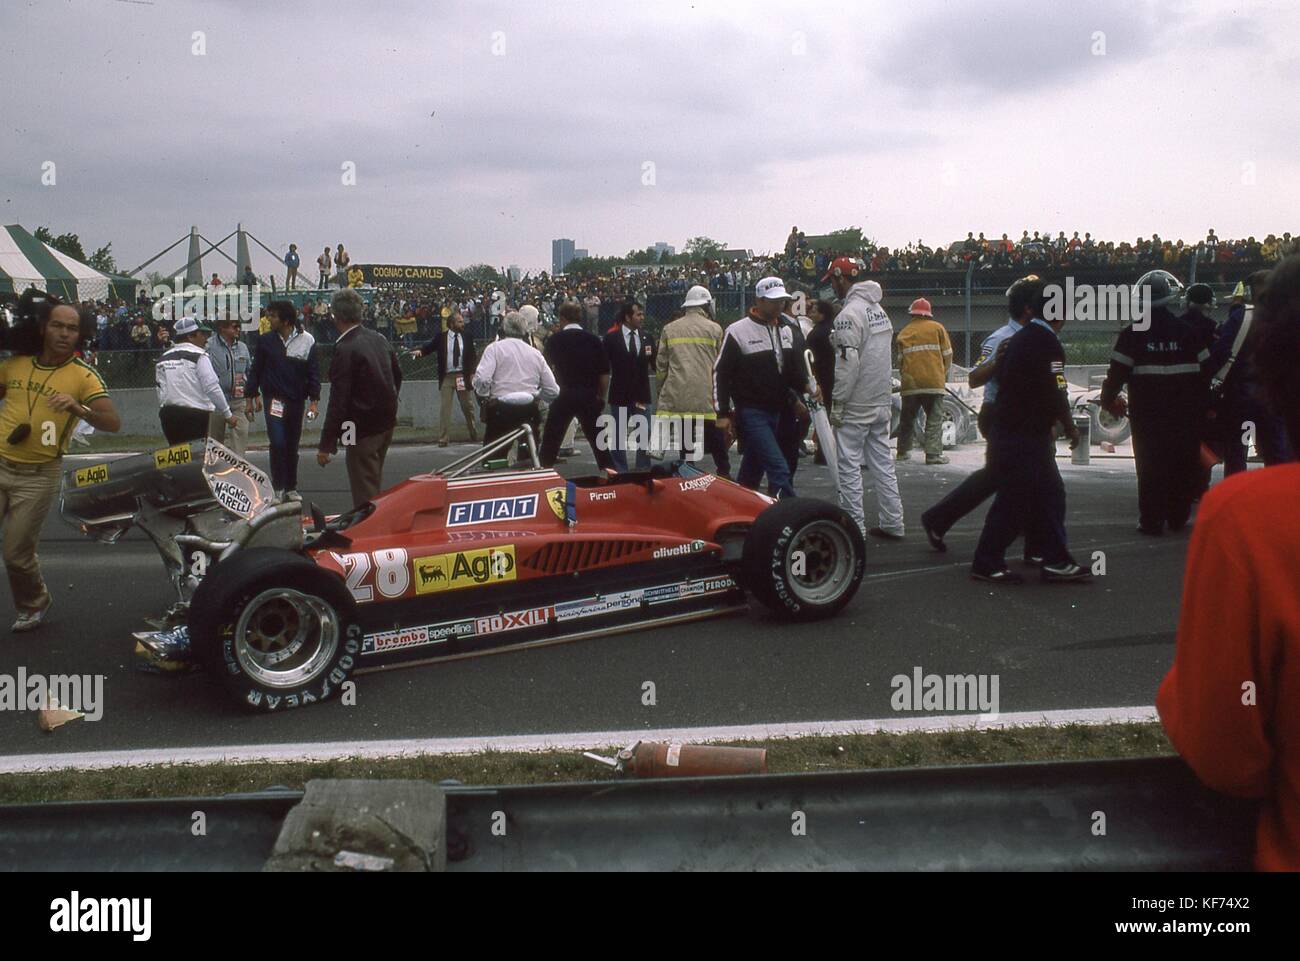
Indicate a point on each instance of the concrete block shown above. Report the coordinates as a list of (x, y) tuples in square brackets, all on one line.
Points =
[(375, 825)]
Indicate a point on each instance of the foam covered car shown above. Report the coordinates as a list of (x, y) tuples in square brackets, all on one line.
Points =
[(283, 608)]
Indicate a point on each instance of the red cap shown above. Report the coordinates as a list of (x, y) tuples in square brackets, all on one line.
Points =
[(843, 267)]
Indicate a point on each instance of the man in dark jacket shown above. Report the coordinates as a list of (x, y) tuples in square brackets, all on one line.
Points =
[(1032, 401), (762, 372), (582, 371), (1238, 408), (286, 376), (631, 358), (1163, 362), (457, 356), (364, 382)]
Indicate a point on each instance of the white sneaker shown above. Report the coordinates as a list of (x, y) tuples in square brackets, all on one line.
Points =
[(277, 496), (292, 496), (30, 620)]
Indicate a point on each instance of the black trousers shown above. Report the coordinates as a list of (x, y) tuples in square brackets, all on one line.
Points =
[(501, 419), (1030, 498), (1167, 453), (586, 406), (183, 424)]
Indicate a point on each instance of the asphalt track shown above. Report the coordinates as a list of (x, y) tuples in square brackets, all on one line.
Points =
[(1053, 647)]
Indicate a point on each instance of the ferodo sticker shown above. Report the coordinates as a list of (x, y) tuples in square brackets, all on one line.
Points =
[(490, 511), (86, 476), (172, 456), (448, 572)]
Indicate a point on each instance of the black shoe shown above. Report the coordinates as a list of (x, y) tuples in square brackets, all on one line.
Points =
[(1033, 560), (884, 535), (1149, 531), (1003, 576), (935, 538), (1065, 573)]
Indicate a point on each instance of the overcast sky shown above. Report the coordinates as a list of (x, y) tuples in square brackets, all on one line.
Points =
[(481, 130)]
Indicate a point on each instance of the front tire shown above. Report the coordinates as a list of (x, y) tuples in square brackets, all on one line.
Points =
[(1106, 427), (274, 629), (804, 559)]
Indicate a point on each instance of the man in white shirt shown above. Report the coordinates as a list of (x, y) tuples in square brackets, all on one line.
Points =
[(512, 379), (188, 387)]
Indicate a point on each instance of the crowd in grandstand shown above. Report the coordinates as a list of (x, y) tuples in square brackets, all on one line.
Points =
[(408, 315)]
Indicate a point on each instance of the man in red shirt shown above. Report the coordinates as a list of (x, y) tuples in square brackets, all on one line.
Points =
[(1231, 701)]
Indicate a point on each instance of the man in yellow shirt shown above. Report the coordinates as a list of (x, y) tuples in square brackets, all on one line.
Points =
[(44, 397)]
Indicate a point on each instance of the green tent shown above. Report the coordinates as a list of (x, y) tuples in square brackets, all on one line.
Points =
[(26, 262)]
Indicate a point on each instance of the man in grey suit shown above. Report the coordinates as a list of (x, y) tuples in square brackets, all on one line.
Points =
[(364, 381)]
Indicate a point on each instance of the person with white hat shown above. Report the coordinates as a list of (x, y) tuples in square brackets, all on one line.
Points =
[(924, 357), (761, 372), (688, 349), (860, 407), (188, 387)]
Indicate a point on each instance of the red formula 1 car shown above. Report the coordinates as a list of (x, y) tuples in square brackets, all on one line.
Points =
[(283, 609)]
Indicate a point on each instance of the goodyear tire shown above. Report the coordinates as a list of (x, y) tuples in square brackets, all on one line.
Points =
[(1106, 427), (803, 558), (275, 630)]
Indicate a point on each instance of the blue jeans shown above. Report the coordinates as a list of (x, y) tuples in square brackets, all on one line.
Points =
[(283, 434), (763, 454), (618, 453)]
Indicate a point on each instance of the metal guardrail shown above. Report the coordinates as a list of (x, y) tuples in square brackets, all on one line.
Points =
[(1036, 816)]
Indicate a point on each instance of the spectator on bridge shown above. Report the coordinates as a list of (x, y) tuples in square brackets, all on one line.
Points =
[(341, 262), (323, 262), (291, 264), (1231, 702)]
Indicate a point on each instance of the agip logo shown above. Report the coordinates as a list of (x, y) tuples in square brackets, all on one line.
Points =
[(449, 572)]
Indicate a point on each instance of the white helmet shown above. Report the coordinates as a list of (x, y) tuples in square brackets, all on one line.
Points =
[(530, 316), (698, 296)]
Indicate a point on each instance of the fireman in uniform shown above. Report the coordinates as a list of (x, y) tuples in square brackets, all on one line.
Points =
[(1165, 368)]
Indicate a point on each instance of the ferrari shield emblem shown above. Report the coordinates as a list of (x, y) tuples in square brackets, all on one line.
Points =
[(555, 498)]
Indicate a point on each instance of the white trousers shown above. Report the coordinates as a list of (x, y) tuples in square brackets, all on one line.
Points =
[(866, 440)]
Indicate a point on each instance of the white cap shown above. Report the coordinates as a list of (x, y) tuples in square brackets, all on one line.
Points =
[(771, 288), (188, 325), (697, 296)]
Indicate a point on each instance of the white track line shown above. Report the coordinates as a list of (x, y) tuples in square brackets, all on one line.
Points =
[(587, 740)]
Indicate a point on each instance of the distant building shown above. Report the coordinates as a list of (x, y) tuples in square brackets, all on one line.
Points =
[(663, 250), (562, 251), (515, 273), (580, 253)]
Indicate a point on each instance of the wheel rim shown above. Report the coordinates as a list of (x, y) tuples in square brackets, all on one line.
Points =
[(1108, 420), (285, 638), (827, 563), (948, 433)]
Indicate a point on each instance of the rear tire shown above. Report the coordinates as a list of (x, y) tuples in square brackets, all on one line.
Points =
[(820, 582), (274, 629)]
